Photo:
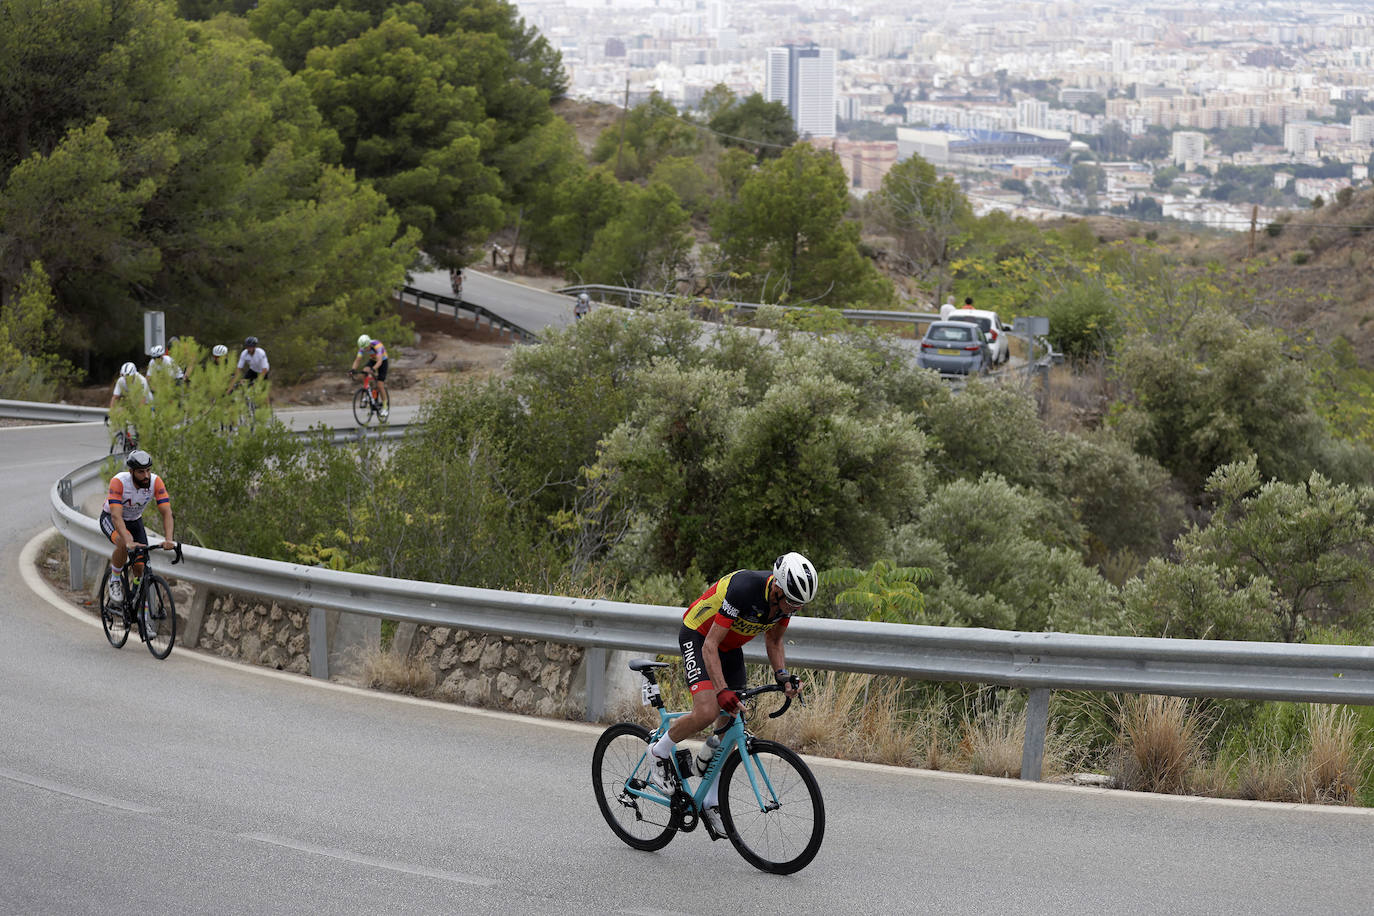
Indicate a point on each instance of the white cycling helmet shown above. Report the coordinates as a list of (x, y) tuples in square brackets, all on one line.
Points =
[(157, 350), (584, 299), (220, 350), (363, 340), (128, 369), (796, 577)]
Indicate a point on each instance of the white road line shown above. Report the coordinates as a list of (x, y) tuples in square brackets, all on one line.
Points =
[(369, 861), (39, 782)]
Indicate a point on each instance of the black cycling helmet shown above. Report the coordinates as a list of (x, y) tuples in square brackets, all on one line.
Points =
[(250, 341), (139, 460)]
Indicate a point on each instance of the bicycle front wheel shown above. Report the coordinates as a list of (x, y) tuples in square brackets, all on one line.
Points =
[(620, 761), (112, 615), (362, 407), (777, 819), (157, 617)]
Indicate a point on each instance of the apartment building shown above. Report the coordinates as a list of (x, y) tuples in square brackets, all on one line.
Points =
[(1188, 148)]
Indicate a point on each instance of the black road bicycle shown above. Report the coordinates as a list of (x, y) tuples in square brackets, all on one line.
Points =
[(147, 603)]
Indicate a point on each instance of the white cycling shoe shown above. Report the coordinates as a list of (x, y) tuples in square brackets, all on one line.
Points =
[(661, 775), (715, 828)]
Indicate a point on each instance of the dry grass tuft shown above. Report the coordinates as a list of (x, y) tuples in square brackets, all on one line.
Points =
[(385, 670), (823, 725), (1328, 769), (884, 734), (1331, 769), (1266, 773), (1161, 741), (1078, 396), (994, 742)]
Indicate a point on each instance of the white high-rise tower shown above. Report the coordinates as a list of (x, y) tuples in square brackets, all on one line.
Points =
[(804, 80)]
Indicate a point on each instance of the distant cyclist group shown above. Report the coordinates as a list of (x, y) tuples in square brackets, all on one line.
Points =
[(162, 368), (131, 490)]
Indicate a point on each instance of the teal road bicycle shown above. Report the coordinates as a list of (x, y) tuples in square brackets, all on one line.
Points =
[(770, 803)]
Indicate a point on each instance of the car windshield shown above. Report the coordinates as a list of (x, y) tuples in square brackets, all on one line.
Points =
[(984, 323), (951, 332)]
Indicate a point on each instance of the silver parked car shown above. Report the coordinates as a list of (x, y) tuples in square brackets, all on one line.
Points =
[(955, 347)]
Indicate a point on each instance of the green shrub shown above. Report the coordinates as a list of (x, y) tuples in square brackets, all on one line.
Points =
[(1083, 320)]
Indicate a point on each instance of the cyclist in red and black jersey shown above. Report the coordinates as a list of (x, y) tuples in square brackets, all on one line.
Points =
[(714, 630)]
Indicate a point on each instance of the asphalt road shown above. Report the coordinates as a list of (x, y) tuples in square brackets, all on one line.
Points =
[(529, 308), (129, 785)]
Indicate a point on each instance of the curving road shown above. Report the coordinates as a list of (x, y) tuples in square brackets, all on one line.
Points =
[(530, 308), (134, 786)]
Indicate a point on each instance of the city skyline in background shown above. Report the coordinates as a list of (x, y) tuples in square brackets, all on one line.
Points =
[(1297, 72)]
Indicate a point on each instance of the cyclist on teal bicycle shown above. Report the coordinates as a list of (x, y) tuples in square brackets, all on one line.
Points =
[(716, 626)]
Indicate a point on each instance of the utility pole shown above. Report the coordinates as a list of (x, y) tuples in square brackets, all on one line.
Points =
[(620, 148), (1254, 219)]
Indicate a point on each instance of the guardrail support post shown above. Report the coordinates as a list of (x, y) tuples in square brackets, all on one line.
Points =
[(319, 643), (195, 615), (1037, 724), (76, 562), (594, 661), (76, 559)]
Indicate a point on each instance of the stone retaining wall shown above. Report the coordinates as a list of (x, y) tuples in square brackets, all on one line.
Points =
[(267, 633), (501, 672), (518, 675)]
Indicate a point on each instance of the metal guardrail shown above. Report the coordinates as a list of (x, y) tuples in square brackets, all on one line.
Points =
[(51, 413), (635, 297), (1038, 662), (418, 298)]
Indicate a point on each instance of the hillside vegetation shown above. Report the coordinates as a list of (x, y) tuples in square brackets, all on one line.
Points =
[(276, 171)]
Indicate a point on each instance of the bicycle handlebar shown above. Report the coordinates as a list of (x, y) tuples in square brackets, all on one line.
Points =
[(144, 552), (749, 693)]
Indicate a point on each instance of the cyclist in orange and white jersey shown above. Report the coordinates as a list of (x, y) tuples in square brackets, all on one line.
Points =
[(714, 630), (122, 520)]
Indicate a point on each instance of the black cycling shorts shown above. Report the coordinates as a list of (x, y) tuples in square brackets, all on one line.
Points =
[(135, 526), (379, 368), (731, 663)]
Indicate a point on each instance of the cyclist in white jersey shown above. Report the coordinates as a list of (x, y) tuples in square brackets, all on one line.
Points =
[(131, 382), (122, 520)]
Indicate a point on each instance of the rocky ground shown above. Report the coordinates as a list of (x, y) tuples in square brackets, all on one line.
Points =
[(442, 350)]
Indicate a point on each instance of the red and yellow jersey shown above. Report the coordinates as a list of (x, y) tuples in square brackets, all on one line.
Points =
[(739, 603), (124, 492)]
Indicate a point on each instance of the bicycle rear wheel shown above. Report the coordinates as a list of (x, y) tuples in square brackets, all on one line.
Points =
[(112, 615), (621, 760), (780, 828), (362, 407), (157, 618)]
